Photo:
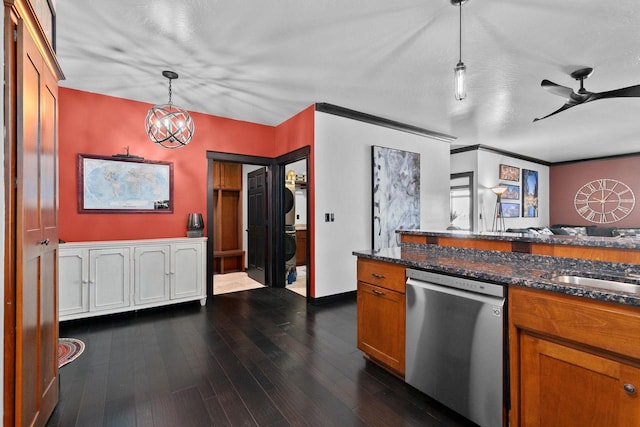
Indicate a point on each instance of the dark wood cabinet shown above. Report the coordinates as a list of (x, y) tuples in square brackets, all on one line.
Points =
[(227, 206), (301, 247), (381, 313), (574, 362)]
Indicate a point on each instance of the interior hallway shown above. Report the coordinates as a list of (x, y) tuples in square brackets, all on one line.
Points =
[(253, 358)]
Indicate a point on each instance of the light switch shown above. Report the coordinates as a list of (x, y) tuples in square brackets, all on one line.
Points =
[(326, 217)]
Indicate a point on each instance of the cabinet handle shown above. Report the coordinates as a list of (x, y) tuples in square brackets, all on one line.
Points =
[(377, 292), (630, 389), (378, 276), (44, 242)]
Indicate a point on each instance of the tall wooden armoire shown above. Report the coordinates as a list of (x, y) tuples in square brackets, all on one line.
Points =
[(31, 76)]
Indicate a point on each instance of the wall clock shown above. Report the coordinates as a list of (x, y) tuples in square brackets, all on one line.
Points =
[(604, 201)]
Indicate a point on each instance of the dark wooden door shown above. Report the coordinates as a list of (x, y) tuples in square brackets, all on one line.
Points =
[(36, 322), (257, 230)]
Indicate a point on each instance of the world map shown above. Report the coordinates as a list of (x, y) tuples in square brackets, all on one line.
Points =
[(110, 184)]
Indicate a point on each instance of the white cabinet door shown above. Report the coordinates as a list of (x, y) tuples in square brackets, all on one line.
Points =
[(109, 278), (187, 276), (152, 274), (73, 281)]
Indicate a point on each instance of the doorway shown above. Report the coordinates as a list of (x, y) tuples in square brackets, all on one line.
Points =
[(294, 177), (234, 260), (461, 201)]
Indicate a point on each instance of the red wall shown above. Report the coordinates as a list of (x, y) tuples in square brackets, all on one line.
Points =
[(97, 124), (292, 134), (566, 180)]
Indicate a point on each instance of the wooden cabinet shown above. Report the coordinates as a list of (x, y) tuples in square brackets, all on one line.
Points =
[(574, 362), (227, 176), (301, 247), (381, 313), (111, 277), (227, 211)]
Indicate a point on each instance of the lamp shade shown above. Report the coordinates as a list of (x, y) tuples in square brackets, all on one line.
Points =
[(195, 225), (459, 84)]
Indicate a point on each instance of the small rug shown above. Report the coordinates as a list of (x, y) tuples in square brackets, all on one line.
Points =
[(68, 350)]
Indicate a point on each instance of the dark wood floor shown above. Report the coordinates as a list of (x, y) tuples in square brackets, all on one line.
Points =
[(261, 357)]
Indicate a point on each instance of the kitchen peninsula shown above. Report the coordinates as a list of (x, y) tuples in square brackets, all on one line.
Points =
[(565, 339)]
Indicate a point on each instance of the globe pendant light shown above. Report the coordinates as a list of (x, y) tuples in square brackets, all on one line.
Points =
[(460, 71), (168, 125)]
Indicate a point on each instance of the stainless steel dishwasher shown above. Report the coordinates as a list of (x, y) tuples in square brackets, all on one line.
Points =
[(454, 343)]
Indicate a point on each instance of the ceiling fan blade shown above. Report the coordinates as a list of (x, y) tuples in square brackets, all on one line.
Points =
[(556, 89), (564, 107), (625, 92)]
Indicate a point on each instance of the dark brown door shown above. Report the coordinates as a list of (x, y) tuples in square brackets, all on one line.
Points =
[(36, 324), (257, 225)]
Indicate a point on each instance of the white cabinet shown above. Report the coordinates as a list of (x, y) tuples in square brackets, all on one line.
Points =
[(110, 277), (152, 273), (187, 271)]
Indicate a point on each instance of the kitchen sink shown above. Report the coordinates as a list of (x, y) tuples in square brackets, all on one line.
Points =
[(617, 284)]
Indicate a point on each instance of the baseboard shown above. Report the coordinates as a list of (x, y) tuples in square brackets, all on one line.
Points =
[(329, 299)]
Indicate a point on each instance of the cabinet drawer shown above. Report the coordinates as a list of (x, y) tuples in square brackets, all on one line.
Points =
[(383, 274)]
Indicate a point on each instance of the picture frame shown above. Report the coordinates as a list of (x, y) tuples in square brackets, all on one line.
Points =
[(512, 193), (395, 194), (122, 184), (510, 210), (529, 193), (509, 173)]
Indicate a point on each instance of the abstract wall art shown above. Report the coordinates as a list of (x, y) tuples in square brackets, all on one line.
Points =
[(396, 194)]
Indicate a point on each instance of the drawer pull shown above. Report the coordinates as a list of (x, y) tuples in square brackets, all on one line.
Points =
[(378, 276), (377, 292), (630, 389)]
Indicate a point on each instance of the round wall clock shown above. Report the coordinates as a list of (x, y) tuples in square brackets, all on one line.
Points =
[(604, 201)]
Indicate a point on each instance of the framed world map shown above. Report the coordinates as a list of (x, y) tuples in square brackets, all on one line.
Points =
[(124, 185)]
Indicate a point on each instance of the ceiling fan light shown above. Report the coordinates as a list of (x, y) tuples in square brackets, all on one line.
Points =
[(459, 84)]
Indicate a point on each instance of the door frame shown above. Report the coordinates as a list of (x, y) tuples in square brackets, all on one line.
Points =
[(243, 159), (280, 172)]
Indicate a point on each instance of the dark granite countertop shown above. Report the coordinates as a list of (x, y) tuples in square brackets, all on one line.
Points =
[(553, 239), (516, 269)]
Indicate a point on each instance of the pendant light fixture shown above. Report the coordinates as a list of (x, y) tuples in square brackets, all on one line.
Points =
[(168, 125), (460, 71)]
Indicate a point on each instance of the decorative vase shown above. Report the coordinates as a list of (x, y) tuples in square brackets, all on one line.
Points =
[(195, 225)]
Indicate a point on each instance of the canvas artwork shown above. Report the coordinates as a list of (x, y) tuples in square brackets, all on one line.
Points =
[(529, 193), (509, 173), (510, 210), (512, 193), (396, 194)]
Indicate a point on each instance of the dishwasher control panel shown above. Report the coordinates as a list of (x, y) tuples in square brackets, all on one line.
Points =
[(465, 284)]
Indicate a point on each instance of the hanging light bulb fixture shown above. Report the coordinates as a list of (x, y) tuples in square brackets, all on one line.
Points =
[(460, 71), (168, 125)]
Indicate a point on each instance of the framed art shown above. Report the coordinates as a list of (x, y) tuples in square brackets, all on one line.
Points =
[(509, 173), (529, 193), (124, 185), (510, 210), (396, 194), (512, 193)]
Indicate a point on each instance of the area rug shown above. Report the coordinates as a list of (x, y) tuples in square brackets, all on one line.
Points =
[(68, 350)]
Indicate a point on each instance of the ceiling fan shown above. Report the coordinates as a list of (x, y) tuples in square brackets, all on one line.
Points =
[(582, 96)]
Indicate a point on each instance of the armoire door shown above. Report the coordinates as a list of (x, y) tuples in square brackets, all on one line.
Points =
[(36, 323)]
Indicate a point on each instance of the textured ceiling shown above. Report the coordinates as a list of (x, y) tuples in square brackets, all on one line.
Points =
[(264, 61)]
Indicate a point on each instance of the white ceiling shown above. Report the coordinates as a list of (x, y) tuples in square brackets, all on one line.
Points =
[(264, 61)]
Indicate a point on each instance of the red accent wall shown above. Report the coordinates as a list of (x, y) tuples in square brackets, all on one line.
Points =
[(104, 125), (298, 132), (565, 180)]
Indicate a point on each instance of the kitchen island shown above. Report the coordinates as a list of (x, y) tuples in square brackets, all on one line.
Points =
[(574, 350)]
